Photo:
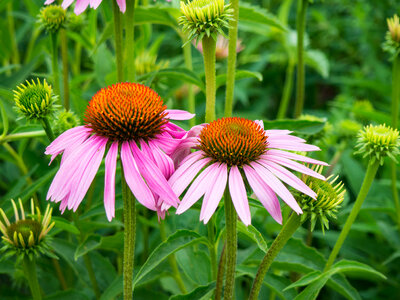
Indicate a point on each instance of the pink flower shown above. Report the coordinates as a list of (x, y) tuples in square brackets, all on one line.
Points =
[(233, 149), (81, 5), (126, 116)]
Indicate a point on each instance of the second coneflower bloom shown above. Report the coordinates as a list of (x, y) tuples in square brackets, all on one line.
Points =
[(125, 118), (233, 151)]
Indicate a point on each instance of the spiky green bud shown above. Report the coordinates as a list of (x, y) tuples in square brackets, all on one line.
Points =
[(64, 120), (330, 195), (205, 18), (34, 100), (26, 236), (52, 18), (377, 142)]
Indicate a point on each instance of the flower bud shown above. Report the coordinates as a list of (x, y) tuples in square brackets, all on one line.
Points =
[(64, 120), (52, 18), (394, 28)]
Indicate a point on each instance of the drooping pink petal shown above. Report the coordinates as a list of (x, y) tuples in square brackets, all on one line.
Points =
[(176, 114), (266, 196), (197, 189), (84, 182), (48, 2), (287, 177), (285, 138), (166, 143), (109, 181), (134, 180), (153, 176), (186, 163), (80, 6), (95, 3), (277, 186), (274, 132), (290, 155), (295, 166), (163, 161), (293, 146), (122, 5), (239, 196), (174, 130), (214, 193)]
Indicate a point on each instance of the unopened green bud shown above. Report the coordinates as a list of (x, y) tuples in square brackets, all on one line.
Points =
[(394, 28), (348, 129), (52, 18), (64, 120), (205, 18), (34, 100), (377, 142)]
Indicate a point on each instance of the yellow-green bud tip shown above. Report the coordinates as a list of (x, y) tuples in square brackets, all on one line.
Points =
[(377, 142), (394, 28)]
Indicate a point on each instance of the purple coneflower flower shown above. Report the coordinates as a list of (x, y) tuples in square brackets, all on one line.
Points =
[(131, 117), (81, 5), (233, 150)]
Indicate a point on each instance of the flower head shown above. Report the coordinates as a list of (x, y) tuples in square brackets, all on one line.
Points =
[(377, 142), (34, 100), (232, 151), (330, 195), (392, 39), (52, 18), (204, 18), (81, 5), (26, 236), (125, 118)]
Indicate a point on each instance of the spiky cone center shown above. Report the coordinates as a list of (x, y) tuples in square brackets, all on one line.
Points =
[(34, 99), (204, 17), (330, 194), (52, 17), (126, 111), (378, 142), (394, 28), (234, 141)]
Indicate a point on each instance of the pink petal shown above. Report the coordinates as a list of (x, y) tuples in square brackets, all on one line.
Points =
[(277, 186), (197, 189), (66, 3), (109, 181), (239, 195), (189, 160), (95, 3), (163, 161), (260, 123), (122, 5), (274, 132), (80, 6), (266, 196), (285, 138), (176, 114), (174, 130), (153, 176), (48, 2), (288, 178), (290, 155), (293, 146), (134, 180), (295, 166), (214, 192)]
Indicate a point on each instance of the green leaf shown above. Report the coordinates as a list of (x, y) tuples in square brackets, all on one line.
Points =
[(318, 61), (198, 293), (113, 290), (66, 295), (256, 14), (340, 284), (63, 224), (299, 126), (252, 232), (154, 15), (91, 243), (175, 242), (356, 269), (239, 74), (27, 128)]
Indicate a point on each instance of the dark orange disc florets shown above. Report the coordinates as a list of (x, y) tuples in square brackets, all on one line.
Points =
[(126, 111), (234, 141)]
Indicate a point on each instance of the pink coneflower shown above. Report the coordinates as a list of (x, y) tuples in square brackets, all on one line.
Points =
[(81, 5), (131, 117), (233, 149)]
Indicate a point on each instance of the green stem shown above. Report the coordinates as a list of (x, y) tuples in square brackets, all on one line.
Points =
[(172, 261), (187, 54), (211, 248), (92, 276), (130, 39), (129, 236), (220, 274), (395, 124), (60, 274), (209, 46), (54, 60), (29, 267), (231, 246), (287, 90), (35, 34), (301, 25), (280, 241), (11, 31), (77, 58), (232, 53), (368, 179), (64, 57), (22, 135), (118, 41), (336, 158), (47, 128)]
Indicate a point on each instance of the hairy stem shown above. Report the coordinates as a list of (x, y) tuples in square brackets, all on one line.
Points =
[(29, 267), (368, 179), (64, 57), (220, 274), (287, 91), (54, 60), (118, 41), (209, 45), (187, 54), (280, 241), (130, 39), (47, 128), (211, 248)]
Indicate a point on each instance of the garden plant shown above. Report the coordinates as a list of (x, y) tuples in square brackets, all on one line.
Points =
[(199, 149)]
